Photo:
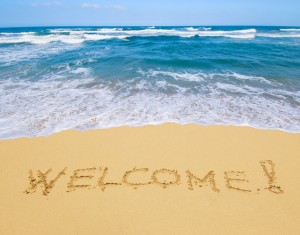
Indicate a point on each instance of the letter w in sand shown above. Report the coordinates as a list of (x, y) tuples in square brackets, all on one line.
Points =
[(43, 181)]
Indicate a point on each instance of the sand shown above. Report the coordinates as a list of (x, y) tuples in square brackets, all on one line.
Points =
[(167, 179)]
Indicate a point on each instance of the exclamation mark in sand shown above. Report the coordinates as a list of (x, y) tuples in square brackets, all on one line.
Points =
[(269, 171)]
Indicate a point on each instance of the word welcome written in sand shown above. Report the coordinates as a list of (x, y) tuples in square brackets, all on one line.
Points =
[(163, 178)]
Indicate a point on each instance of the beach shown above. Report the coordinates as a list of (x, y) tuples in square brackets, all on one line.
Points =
[(150, 129), (162, 179)]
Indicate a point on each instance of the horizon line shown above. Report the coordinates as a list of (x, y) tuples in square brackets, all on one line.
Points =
[(217, 25)]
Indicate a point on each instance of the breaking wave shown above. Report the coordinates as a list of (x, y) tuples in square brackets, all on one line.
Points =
[(52, 105), (290, 30), (77, 36), (278, 35), (80, 35)]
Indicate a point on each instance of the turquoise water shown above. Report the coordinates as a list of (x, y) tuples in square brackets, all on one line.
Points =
[(53, 79)]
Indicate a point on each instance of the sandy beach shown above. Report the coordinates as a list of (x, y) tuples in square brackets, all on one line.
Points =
[(167, 179)]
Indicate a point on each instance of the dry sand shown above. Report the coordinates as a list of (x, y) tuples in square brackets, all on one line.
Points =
[(145, 180)]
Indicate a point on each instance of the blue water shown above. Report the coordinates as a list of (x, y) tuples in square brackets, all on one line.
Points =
[(53, 79)]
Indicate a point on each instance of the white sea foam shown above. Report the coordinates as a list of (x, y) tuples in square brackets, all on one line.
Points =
[(205, 28), (96, 37), (109, 30), (70, 39), (239, 34), (51, 105), (246, 77), (69, 30), (18, 53), (197, 29), (191, 29), (247, 33), (201, 76), (76, 36), (80, 70), (17, 34), (291, 30), (243, 36), (278, 35), (84, 31), (191, 77)]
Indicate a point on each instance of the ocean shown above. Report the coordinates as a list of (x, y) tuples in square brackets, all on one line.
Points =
[(82, 78)]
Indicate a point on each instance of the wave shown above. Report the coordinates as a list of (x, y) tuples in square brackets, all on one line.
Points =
[(278, 35), (109, 30), (50, 105), (76, 36), (17, 34), (201, 76), (191, 29), (102, 37), (69, 39), (196, 77), (196, 29), (18, 53), (84, 31), (290, 30), (246, 33)]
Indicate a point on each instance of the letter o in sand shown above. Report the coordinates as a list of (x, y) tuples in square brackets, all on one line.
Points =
[(166, 183)]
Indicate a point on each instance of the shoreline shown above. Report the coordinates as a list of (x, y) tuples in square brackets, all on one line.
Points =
[(166, 179), (153, 125)]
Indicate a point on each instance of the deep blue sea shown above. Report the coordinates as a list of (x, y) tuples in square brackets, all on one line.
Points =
[(53, 79)]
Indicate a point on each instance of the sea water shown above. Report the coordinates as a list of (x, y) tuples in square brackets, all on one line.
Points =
[(54, 79)]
